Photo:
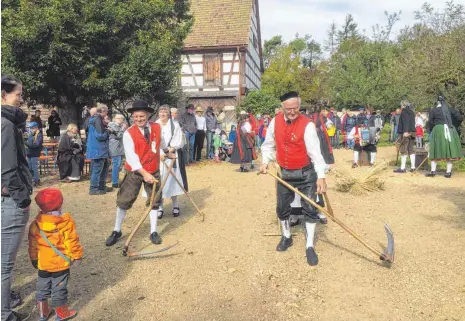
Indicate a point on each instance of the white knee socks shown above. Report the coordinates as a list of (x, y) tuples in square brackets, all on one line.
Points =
[(372, 158), (433, 166), (356, 155), (412, 161), (175, 201), (449, 167), (403, 161), (120, 214), (153, 220), (310, 227), (286, 228)]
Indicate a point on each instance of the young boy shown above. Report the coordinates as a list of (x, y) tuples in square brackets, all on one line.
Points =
[(33, 149), (53, 247)]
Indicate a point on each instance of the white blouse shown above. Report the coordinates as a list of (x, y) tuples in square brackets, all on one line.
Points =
[(174, 140)]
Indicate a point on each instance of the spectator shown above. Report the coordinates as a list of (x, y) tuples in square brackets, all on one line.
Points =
[(33, 150), (54, 122), (394, 123), (116, 129), (221, 118), (70, 159), (98, 151), (174, 114), (85, 113), (212, 125), (16, 186), (349, 123), (419, 129), (200, 134), (262, 130), (362, 117), (334, 118), (36, 118), (189, 126), (232, 134), (53, 248)]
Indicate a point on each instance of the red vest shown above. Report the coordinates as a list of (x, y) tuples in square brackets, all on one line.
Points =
[(149, 160), (291, 152)]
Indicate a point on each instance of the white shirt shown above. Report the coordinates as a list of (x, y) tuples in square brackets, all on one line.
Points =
[(246, 128), (420, 121), (176, 141), (351, 134), (312, 144), (201, 123), (129, 150)]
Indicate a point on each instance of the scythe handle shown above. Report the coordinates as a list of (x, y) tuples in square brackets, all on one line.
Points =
[(337, 221), (144, 216)]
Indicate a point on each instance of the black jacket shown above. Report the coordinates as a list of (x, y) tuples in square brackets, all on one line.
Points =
[(16, 177), (436, 117), (406, 121)]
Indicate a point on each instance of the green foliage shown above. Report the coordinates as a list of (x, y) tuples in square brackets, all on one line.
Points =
[(73, 52), (260, 101)]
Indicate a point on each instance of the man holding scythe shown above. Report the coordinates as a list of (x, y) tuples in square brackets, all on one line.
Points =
[(293, 142), (142, 144)]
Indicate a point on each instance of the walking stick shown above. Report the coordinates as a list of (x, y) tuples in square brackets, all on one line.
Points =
[(398, 150), (154, 196), (330, 209), (202, 215), (387, 256)]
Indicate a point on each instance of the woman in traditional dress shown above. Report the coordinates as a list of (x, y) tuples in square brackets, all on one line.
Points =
[(321, 123), (173, 137), (70, 159), (244, 144), (444, 140)]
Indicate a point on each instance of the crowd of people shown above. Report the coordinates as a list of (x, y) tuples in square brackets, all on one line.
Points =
[(155, 155)]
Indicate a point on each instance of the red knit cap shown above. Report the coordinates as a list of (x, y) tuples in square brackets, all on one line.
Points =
[(49, 199)]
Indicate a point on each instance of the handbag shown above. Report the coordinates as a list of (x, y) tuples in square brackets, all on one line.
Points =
[(67, 259)]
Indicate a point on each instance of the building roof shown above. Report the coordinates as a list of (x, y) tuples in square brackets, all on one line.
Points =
[(220, 23)]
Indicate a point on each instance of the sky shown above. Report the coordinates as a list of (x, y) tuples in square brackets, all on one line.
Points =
[(287, 17)]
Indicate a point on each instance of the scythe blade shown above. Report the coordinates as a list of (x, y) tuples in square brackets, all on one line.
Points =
[(389, 253)]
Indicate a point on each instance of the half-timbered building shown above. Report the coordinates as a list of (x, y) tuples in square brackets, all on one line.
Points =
[(222, 57)]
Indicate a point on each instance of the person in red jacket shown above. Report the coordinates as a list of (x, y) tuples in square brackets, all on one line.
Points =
[(142, 144), (293, 138)]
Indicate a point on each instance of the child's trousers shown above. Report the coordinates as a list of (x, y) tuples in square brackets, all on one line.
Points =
[(53, 285)]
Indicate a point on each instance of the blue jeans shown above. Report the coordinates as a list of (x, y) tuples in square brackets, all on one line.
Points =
[(210, 144), (189, 147), (350, 143), (14, 220), (33, 163), (115, 168), (98, 174)]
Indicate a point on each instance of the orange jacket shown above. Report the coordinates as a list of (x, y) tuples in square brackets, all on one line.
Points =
[(61, 232)]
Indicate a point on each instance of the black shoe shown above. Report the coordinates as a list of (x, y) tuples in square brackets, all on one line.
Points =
[(412, 170), (354, 165), (399, 170), (97, 192), (284, 244), (108, 189), (448, 175), (155, 238), (431, 174), (176, 211), (160, 214), (15, 300), (323, 220), (252, 166), (115, 185), (113, 238), (312, 258)]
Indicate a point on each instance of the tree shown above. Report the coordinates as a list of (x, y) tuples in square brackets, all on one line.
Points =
[(331, 42), (260, 101), (270, 48), (74, 52), (348, 31)]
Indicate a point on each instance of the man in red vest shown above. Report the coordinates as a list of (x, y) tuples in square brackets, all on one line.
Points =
[(294, 140), (142, 144)]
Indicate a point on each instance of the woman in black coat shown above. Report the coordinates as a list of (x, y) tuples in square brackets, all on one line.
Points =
[(70, 159), (54, 122)]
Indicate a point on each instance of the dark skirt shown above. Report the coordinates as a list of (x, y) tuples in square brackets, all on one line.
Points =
[(182, 169), (70, 164), (248, 153), (324, 147)]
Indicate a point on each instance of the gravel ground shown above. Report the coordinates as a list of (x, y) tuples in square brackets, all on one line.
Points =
[(226, 269)]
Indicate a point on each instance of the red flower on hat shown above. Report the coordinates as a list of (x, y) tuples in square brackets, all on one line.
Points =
[(49, 199)]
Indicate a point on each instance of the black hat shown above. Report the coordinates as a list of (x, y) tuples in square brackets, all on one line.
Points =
[(210, 109), (140, 105), (289, 95)]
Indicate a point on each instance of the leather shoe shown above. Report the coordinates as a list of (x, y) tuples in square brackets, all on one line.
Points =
[(155, 238), (312, 258), (113, 238), (448, 175), (431, 174), (400, 170), (284, 244)]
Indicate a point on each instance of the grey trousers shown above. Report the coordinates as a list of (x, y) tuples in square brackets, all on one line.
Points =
[(53, 285), (14, 220)]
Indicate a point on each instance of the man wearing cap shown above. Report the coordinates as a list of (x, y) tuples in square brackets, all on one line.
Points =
[(142, 142), (189, 126), (292, 140), (33, 149), (212, 125)]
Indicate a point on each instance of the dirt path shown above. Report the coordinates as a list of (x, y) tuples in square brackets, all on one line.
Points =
[(225, 269)]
